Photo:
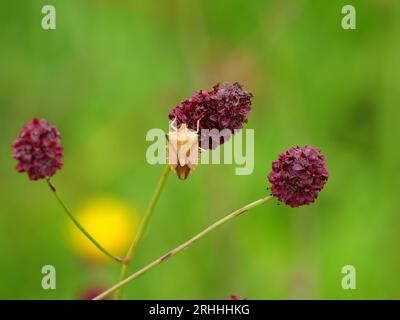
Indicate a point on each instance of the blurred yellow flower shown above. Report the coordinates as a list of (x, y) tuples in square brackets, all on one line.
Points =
[(110, 221)]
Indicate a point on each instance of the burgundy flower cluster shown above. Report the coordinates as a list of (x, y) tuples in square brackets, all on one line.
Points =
[(224, 107), (38, 150), (298, 176)]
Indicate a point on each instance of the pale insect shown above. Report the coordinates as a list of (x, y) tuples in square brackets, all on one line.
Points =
[(183, 149)]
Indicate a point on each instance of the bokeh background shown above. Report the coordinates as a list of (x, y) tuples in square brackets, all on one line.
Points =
[(113, 69)]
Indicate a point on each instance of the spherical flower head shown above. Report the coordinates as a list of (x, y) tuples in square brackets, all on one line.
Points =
[(223, 108), (38, 150), (298, 176)]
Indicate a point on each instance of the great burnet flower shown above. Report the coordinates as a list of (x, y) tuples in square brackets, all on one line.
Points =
[(224, 107), (38, 150), (298, 176), (90, 292)]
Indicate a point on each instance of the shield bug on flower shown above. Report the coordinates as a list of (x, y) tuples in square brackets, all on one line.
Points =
[(183, 149)]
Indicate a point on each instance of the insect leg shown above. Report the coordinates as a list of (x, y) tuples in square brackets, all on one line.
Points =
[(172, 125), (198, 125)]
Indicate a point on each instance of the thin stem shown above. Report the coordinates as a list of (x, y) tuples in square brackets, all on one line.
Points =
[(142, 227), (78, 225), (183, 246)]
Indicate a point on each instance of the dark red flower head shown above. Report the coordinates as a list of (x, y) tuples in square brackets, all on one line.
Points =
[(38, 150), (224, 107), (298, 175), (91, 292)]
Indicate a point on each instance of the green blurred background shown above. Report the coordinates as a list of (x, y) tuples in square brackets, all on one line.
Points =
[(113, 69)]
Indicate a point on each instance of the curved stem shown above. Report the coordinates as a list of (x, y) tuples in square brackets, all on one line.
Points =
[(78, 225), (142, 227), (183, 246)]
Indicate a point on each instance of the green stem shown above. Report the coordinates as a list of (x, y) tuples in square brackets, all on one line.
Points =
[(182, 246), (78, 225), (142, 227)]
